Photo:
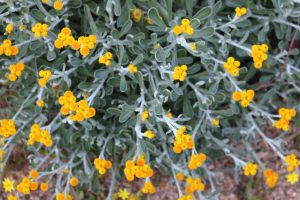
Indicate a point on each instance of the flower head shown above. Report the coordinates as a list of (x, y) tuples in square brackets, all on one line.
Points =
[(8, 185)]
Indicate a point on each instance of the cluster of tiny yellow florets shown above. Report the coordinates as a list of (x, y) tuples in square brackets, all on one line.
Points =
[(7, 128), (44, 75), (140, 170), (78, 111), (194, 184), (132, 68), (63, 196), (40, 103), (271, 177), (240, 11), (196, 161), (232, 66), (136, 14), (292, 162), (15, 71), (180, 72), (149, 134), (148, 188), (185, 27), (102, 165), (9, 28), (182, 141), (39, 135), (286, 115), (8, 49), (145, 115), (245, 97), (28, 184), (40, 30), (84, 43), (259, 55), (58, 5), (250, 169), (106, 59)]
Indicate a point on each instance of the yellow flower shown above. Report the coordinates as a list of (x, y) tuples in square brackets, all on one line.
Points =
[(9, 28), (186, 197), (194, 184), (169, 115), (245, 97), (74, 181), (16, 71), (40, 30), (182, 141), (271, 177), (232, 66), (58, 5), (40, 103), (44, 75), (132, 68), (196, 161), (240, 11), (44, 187), (136, 14), (123, 194), (292, 178), (148, 188), (33, 174), (180, 176), (215, 121), (193, 46), (12, 197), (250, 169), (1, 154), (285, 116), (259, 55), (185, 27), (145, 115), (180, 73), (45, 1), (149, 134), (22, 27), (7, 128), (102, 165), (8, 185), (106, 59), (292, 162)]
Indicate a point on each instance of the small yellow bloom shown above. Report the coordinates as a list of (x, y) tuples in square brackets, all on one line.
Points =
[(215, 121), (180, 176), (123, 194), (193, 46), (74, 181), (145, 115), (136, 14), (1, 154), (44, 187), (58, 5), (9, 28), (132, 68), (292, 178), (169, 115), (180, 73), (33, 174), (12, 197), (8, 185), (149, 134), (240, 11), (40, 103), (250, 169)]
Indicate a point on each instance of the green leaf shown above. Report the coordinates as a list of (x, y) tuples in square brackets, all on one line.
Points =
[(74, 3), (126, 114), (204, 32), (101, 73), (204, 13), (127, 26), (154, 16), (38, 15), (123, 84), (187, 107), (114, 111), (125, 15)]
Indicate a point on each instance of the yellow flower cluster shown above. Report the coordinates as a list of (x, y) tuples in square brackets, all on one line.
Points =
[(140, 170), (182, 141), (40, 103), (145, 115), (196, 161), (58, 5), (292, 178), (245, 97), (62, 196), (193, 46), (271, 177), (7, 128), (40, 30), (286, 115), (250, 169), (39, 135), (12, 197), (8, 49), (106, 59), (136, 14), (186, 197), (132, 68), (24, 186), (215, 121), (1, 154), (74, 181), (240, 11), (180, 72), (194, 185), (8, 185), (84, 43), (15, 71), (259, 55), (148, 188), (232, 66), (292, 162), (9, 28), (185, 27), (102, 165), (78, 111), (149, 134), (44, 75)]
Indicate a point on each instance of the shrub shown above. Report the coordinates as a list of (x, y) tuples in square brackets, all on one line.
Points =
[(131, 88)]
